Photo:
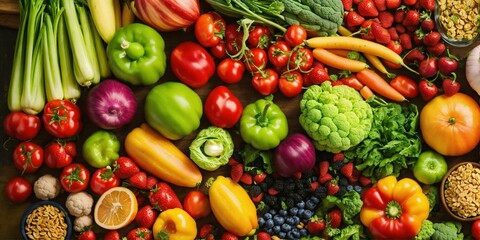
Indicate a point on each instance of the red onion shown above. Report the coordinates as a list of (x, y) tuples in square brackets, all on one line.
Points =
[(295, 153), (111, 104)]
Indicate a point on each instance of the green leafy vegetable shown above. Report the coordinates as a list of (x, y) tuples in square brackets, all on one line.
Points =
[(254, 159), (350, 203), (212, 148), (432, 194), (449, 230), (353, 232)]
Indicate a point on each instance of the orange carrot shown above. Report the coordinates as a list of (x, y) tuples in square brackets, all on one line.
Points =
[(366, 92), (339, 52), (338, 62), (376, 83)]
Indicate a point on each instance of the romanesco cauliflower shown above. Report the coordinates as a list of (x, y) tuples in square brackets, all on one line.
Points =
[(335, 117)]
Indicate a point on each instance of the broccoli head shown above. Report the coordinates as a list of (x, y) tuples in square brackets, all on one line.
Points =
[(335, 117)]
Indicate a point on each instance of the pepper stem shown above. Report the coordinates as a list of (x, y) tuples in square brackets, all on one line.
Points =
[(133, 50), (262, 119), (393, 210), (452, 121)]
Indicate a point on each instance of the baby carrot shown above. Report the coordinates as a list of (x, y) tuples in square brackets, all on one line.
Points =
[(376, 83), (338, 62)]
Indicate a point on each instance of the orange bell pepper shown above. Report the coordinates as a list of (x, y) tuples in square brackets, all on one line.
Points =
[(394, 209), (160, 157), (232, 206), (174, 224)]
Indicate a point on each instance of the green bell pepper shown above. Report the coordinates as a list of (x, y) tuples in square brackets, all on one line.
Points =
[(136, 54), (173, 109), (101, 149), (263, 124)]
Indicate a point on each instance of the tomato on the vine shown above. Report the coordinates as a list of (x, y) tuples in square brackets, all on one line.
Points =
[(59, 154), (233, 38), (301, 59), (230, 71), (405, 85), (219, 51), (21, 126), (295, 35), (61, 118), (17, 189), (28, 157), (290, 83), (255, 59), (197, 204), (209, 29), (103, 179), (259, 37), (278, 53), (265, 81), (74, 177)]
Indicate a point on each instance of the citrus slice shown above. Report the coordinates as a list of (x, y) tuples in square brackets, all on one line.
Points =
[(115, 208)]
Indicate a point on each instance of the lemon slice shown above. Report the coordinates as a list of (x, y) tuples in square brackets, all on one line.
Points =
[(116, 208)]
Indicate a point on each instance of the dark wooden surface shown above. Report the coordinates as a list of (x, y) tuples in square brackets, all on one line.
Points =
[(10, 213)]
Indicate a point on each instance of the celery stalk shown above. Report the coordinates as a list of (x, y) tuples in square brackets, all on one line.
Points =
[(71, 89), (101, 51), (89, 42), (53, 80), (82, 63)]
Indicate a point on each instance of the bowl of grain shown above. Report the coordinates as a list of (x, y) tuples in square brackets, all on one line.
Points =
[(457, 21), (460, 191), (46, 220)]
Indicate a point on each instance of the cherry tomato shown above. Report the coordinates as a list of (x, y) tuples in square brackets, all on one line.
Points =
[(197, 204), (103, 179), (278, 53), (230, 71), (476, 229), (233, 31), (233, 38), (61, 118), (265, 82), (219, 51), (209, 29), (256, 59), (301, 59), (28, 157), (259, 37), (405, 85), (295, 35), (74, 177), (290, 83), (316, 75), (59, 154), (17, 189), (21, 126)]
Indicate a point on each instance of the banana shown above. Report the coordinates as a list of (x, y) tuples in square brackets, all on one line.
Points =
[(103, 14)]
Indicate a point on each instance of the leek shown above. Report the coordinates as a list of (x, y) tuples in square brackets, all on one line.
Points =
[(71, 89), (101, 51), (53, 78), (89, 41)]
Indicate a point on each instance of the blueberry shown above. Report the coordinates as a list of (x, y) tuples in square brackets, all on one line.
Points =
[(278, 220), (277, 229), (314, 178), (296, 220), (293, 211), (289, 221), (315, 200), (358, 188), (310, 205), (307, 214), (303, 232), (282, 235), (267, 216), (269, 223), (295, 233), (290, 235), (301, 205), (300, 212), (286, 227), (269, 230), (261, 221), (273, 212), (349, 188), (283, 213)]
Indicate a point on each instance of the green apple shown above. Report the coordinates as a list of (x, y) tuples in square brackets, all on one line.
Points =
[(430, 167)]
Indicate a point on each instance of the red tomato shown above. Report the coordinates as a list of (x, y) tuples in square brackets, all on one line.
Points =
[(59, 154), (192, 64), (476, 229), (353, 82), (209, 29), (405, 85), (230, 71), (255, 59), (21, 126), (295, 35), (278, 53), (28, 157), (265, 82), (74, 177), (197, 204), (17, 189), (222, 108), (290, 83), (301, 59), (233, 31), (234, 45), (61, 118), (103, 179), (259, 37), (219, 50)]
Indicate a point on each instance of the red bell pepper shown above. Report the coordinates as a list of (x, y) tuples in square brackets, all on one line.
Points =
[(222, 108)]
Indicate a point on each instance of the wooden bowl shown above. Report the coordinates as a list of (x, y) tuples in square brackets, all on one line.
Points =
[(41, 203), (443, 188)]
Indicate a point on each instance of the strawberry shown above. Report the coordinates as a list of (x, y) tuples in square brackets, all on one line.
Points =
[(448, 64), (354, 19), (400, 29), (317, 75), (140, 234), (367, 8), (87, 235), (450, 86), (389, 64), (232, 162), (323, 166), (395, 46), (146, 216), (427, 23), (386, 19), (405, 41), (125, 167), (381, 34), (399, 15), (409, 2), (427, 89), (347, 4), (431, 39), (355, 176), (412, 18), (259, 177), (438, 49), (139, 180), (315, 225), (338, 157), (229, 236), (140, 199), (273, 191), (246, 178), (151, 181), (112, 235), (263, 236), (393, 33), (365, 30), (236, 172), (393, 4), (381, 5), (325, 178), (414, 56), (364, 181), (335, 218), (332, 188), (163, 197), (210, 237), (314, 186), (427, 4), (347, 169), (205, 230), (297, 175), (258, 198)]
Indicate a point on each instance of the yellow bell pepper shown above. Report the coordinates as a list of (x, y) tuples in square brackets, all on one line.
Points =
[(159, 156), (232, 206), (174, 224), (394, 209)]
